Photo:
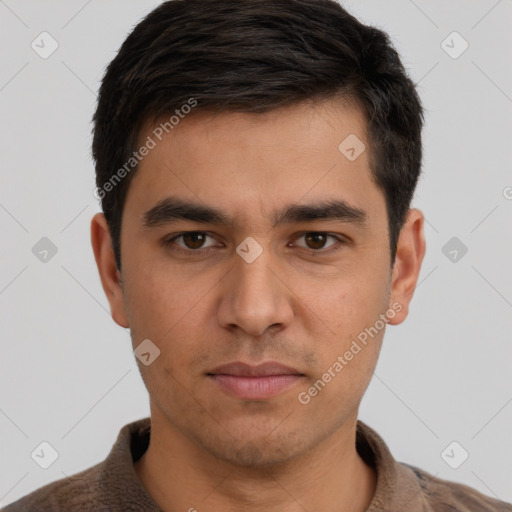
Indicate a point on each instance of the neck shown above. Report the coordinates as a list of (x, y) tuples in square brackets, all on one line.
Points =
[(180, 475)]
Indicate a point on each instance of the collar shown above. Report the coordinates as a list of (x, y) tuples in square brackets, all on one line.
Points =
[(397, 488)]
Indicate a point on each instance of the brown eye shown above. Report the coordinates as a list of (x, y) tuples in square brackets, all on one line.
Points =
[(194, 240), (191, 241), (315, 240)]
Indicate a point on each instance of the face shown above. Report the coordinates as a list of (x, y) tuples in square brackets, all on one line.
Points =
[(260, 271)]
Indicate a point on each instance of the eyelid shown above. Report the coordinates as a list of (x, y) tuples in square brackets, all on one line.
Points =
[(336, 237), (169, 240), (341, 240)]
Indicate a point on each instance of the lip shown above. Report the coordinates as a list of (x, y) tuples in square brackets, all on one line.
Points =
[(239, 369), (258, 382)]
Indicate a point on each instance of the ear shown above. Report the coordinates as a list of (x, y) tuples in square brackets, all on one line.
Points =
[(107, 268), (409, 257)]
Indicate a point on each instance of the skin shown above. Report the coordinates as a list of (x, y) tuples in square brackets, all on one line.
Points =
[(209, 450)]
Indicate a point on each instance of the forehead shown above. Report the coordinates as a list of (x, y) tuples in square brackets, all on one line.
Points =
[(263, 160)]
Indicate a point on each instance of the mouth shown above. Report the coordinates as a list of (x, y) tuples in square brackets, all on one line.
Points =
[(258, 382)]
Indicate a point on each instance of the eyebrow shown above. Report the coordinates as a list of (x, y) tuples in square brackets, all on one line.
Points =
[(172, 209)]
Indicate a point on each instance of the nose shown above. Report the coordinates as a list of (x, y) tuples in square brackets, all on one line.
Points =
[(255, 296)]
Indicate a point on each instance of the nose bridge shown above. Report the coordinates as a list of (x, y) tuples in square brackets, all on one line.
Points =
[(253, 297), (253, 281), (255, 276)]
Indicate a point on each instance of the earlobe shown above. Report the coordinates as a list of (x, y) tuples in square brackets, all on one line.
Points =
[(109, 274), (409, 257)]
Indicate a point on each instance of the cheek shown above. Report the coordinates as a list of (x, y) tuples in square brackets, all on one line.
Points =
[(350, 311), (169, 309), (150, 310), (347, 366), (349, 304), (158, 298)]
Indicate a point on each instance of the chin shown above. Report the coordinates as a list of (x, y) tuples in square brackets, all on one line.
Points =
[(260, 453)]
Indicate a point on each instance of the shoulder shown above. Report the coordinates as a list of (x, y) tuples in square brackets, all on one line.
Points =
[(80, 491), (109, 485), (447, 496)]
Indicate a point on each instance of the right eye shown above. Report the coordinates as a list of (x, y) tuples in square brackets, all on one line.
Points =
[(193, 241)]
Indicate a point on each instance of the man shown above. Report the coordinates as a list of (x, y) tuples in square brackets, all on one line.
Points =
[(256, 163)]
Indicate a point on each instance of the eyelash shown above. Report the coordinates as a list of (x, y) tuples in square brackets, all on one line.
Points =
[(335, 247)]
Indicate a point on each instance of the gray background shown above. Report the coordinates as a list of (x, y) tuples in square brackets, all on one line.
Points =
[(68, 375)]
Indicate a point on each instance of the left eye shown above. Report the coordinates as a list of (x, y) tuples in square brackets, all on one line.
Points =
[(317, 240)]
